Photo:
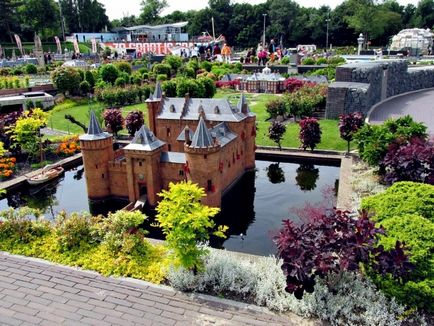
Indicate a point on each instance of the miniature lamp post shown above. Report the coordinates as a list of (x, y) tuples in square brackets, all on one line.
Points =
[(360, 41)]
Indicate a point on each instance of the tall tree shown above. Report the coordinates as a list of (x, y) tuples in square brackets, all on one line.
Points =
[(424, 15), (40, 17), (8, 16), (151, 10), (283, 17)]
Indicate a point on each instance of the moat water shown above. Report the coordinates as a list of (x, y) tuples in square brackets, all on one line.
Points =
[(253, 209)]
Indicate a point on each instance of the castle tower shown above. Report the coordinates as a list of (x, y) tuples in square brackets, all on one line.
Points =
[(248, 133), (143, 166), (97, 149), (203, 159), (153, 103)]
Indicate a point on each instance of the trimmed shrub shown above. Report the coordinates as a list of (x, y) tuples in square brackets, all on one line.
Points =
[(349, 124), (124, 66), (208, 85), (30, 69), (161, 69), (161, 77), (276, 132), (206, 66), (113, 120), (276, 107), (308, 61), (134, 121), (310, 133), (120, 81), (402, 198), (90, 78), (109, 73), (190, 86), (84, 87), (66, 79), (173, 61), (169, 88)]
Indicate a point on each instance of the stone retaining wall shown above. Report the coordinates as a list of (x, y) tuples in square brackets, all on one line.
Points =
[(359, 86)]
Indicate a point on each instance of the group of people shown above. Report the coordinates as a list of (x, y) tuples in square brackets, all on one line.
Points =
[(268, 53), (208, 52)]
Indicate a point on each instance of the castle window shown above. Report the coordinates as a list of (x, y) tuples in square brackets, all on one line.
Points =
[(96, 166), (172, 108), (140, 163), (168, 132), (181, 173), (216, 110), (169, 147), (102, 176), (205, 157), (209, 186)]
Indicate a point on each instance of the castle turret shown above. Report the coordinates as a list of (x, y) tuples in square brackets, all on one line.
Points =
[(203, 163), (248, 135), (143, 166), (97, 149), (154, 102)]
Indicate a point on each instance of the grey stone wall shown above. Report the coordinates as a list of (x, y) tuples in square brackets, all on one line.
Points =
[(359, 86)]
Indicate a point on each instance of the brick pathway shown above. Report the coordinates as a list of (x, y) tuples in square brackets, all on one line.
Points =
[(35, 292)]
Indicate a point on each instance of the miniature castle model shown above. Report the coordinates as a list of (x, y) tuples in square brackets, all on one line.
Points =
[(207, 141)]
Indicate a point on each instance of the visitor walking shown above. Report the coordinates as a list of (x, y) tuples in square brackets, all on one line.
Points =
[(262, 56), (226, 53)]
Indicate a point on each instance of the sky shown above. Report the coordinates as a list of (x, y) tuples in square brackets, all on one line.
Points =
[(121, 8)]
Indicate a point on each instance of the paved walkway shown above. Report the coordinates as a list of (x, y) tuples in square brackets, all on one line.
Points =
[(35, 292), (419, 105)]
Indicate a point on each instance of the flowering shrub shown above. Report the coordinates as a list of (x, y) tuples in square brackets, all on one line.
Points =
[(228, 84), (276, 107), (7, 167), (411, 160), (306, 99), (349, 124), (332, 244), (294, 84), (69, 146), (310, 133)]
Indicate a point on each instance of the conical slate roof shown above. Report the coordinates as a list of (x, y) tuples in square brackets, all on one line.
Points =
[(181, 136), (158, 92), (145, 140), (241, 103), (202, 137), (94, 131)]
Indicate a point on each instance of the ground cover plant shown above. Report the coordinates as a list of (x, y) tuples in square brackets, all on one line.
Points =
[(406, 211)]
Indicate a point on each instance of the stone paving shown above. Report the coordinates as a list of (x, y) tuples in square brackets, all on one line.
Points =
[(419, 105), (35, 292)]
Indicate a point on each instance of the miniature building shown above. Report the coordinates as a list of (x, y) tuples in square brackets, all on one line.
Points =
[(416, 40), (207, 141), (265, 82)]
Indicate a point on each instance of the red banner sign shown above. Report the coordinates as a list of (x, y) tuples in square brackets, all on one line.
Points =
[(146, 47)]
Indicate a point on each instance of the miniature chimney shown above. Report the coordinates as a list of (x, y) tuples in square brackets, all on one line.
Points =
[(187, 135)]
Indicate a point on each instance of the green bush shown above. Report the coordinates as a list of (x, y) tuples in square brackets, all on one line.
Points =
[(321, 61), (39, 104), (173, 61), (124, 66), (120, 81), (206, 66), (66, 79), (308, 61), (190, 86), (285, 61), (84, 87), (335, 61), (161, 69), (81, 73), (31, 69), (17, 71), (73, 230), (161, 77), (402, 198), (373, 141), (186, 71), (276, 107), (90, 78), (17, 226), (109, 73), (209, 86), (169, 88)]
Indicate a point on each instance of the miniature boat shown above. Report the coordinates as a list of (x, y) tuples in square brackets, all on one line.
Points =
[(48, 173)]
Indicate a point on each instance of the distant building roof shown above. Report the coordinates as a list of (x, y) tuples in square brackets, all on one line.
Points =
[(144, 140), (202, 137), (94, 131), (190, 109), (173, 157), (175, 25)]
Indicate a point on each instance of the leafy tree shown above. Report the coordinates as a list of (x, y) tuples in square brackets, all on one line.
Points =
[(84, 15), (26, 132), (8, 16), (310, 133), (134, 121), (66, 79), (40, 16), (113, 120), (151, 10), (89, 77), (85, 87), (124, 66), (349, 124), (334, 243), (276, 107), (109, 73), (208, 85), (276, 132), (186, 223)]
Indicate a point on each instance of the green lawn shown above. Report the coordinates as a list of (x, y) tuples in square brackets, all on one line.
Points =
[(330, 132), (330, 138), (80, 111)]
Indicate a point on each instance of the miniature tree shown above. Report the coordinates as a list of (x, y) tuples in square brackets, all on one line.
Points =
[(134, 121), (67, 80), (310, 133), (186, 223), (276, 132), (349, 124), (113, 120)]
